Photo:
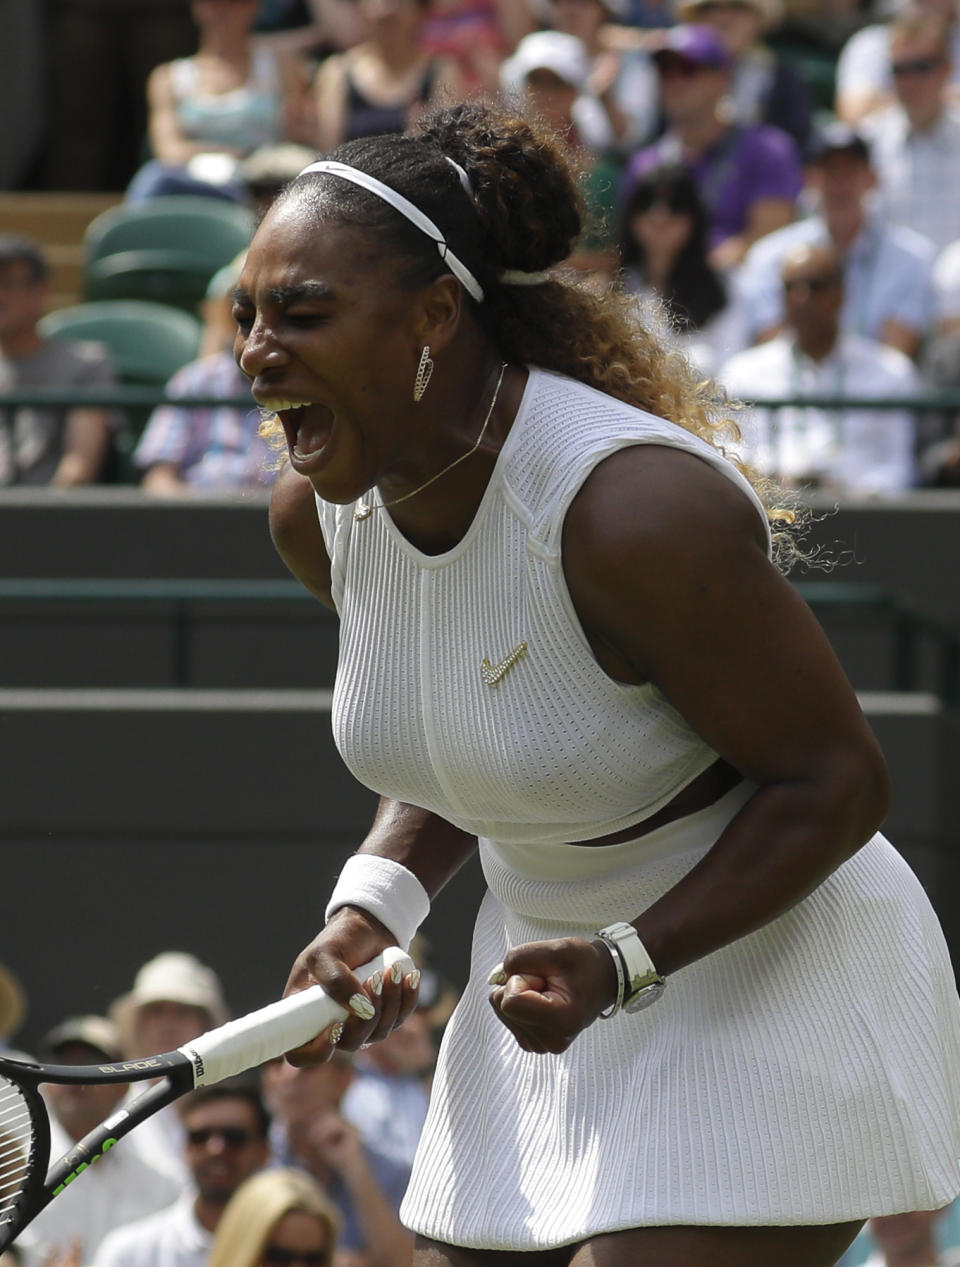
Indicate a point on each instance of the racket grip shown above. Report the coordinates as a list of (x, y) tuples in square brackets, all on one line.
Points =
[(267, 1033)]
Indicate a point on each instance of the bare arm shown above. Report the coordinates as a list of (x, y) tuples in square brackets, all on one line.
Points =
[(330, 94), (84, 448), (765, 215), (740, 655), (295, 529), (897, 335)]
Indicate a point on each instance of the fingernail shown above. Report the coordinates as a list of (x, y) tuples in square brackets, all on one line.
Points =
[(376, 983), (361, 1006), (336, 1033), (396, 974), (413, 979), (497, 976)]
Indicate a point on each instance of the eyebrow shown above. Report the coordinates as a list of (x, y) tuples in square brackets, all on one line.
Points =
[(282, 295)]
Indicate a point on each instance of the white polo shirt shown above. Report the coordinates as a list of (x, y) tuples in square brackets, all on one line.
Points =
[(169, 1238), (855, 450)]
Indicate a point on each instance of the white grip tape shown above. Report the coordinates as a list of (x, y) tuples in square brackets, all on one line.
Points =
[(277, 1028)]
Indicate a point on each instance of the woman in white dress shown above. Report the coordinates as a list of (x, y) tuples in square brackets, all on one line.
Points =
[(563, 636)]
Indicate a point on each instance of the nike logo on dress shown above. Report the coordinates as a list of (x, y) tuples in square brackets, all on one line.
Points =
[(492, 673)]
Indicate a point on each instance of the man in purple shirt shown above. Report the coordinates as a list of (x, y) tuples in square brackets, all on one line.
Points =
[(748, 176)]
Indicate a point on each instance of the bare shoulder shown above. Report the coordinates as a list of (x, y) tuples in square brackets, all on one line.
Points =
[(651, 496), (296, 533)]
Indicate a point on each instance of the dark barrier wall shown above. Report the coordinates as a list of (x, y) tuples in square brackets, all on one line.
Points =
[(216, 824)]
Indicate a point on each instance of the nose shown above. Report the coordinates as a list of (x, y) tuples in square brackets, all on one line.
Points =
[(258, 349)]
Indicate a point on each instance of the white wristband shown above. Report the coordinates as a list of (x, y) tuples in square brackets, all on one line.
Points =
[(385, 889)]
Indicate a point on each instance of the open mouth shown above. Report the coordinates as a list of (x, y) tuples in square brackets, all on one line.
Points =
[(307, 427)]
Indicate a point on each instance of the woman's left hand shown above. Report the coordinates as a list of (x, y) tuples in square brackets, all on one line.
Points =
[(548, 991)]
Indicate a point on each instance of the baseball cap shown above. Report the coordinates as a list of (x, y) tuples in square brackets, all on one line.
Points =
[(770, 11), (172, 977), (563, 54), (95, 1032), (837, 137), (13, 1003), (698, 44)]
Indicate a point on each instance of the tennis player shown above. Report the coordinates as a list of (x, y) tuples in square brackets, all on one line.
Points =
[(711, 1016)]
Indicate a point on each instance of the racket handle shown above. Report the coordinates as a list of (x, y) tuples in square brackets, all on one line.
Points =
[(277, 1028)]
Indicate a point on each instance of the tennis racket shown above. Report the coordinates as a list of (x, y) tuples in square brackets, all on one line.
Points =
[(28, 1183)]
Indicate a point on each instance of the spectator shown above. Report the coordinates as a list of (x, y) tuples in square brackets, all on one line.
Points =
[(476, 35), (216, 449), (916, 141), (664, 254), (278, 1218), (765, 88), (939, 462), (13, 1006), (226, 1128), (946, 287), (384, 82), (122, 1185), (618, 107), (101, 55), (546, 76), (845, 450), (748, 177), (863, 79), (364, 1184), (208, 111), (268, 169), (40, 445), (174, 998), (887, 268)]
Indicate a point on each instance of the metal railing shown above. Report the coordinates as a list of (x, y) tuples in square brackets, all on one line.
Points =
[(909, 630)]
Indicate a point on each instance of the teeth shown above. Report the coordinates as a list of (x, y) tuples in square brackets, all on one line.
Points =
[(280, 405)]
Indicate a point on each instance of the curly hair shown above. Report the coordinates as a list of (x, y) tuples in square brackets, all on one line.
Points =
[(525, 214)]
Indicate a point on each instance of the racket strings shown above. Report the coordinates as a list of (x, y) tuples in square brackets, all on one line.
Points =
[(17, 1141)]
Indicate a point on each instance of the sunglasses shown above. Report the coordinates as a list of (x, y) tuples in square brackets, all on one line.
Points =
[(715, 6), (815, 285), (675, 203), (674, 64), (232, 1136), (917, 66), (280, 1256)]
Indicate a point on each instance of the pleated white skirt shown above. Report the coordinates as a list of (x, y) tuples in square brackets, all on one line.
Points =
[(808, 1073)]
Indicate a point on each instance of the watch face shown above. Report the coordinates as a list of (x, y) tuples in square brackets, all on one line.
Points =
[(646, 995)]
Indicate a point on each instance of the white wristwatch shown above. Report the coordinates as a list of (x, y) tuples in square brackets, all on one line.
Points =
[(640, 983)]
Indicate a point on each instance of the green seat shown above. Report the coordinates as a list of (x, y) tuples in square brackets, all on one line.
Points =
[(163, 249), (147, 343)]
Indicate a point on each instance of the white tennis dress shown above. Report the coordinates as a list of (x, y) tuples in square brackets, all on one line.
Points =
[(809, 1073)]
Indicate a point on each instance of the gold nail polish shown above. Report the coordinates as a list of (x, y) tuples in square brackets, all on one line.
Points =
[(376, 983), (498, 976), (413, 979), (396, 974), (361, 1006)]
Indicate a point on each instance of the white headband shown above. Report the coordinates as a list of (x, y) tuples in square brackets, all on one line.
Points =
[(412, 213)]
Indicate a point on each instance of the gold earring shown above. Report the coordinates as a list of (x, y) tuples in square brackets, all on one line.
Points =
[(424, 370)]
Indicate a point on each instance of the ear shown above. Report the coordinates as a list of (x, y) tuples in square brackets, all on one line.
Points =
[(441, 310)]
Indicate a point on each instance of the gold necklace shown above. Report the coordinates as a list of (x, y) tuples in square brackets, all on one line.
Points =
[(365, 509)]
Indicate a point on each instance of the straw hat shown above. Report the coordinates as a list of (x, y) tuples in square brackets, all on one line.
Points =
[(95, 1032), (171, 977), (13, 1003)]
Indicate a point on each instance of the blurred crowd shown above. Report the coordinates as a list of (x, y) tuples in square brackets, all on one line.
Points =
[(280, 1166), (774, 184)]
